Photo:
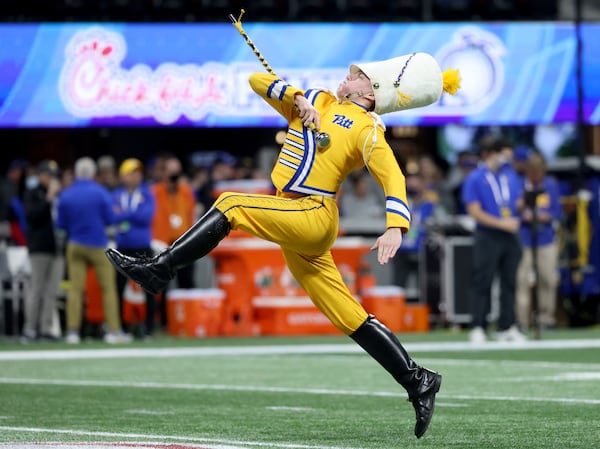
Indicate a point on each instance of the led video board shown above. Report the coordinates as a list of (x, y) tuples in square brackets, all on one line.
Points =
[(89, 75)]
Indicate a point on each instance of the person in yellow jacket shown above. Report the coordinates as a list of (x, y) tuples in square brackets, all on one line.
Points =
[(303, 217)]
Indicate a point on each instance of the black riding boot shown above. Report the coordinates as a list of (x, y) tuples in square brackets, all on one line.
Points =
[(420, 383), (154, 274)]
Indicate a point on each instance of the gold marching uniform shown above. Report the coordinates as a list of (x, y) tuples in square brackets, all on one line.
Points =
[(303, 217)]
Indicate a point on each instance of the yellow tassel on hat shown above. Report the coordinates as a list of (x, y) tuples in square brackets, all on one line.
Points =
[(451, 81)]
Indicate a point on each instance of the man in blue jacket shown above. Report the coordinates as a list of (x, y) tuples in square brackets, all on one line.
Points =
[(134, 206), (84, 212)]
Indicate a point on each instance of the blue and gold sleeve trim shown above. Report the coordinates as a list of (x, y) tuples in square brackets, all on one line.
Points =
[(397, 206), (277, 89)]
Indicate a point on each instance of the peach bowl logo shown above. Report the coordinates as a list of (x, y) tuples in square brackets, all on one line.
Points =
[(478, 55), (93, 84)]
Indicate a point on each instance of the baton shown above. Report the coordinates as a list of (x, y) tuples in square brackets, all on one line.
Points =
[(323, 140)]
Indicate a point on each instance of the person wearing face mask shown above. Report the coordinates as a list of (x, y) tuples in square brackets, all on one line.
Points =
[(302, 217), (490, 195), (174, 213), (45, 253)]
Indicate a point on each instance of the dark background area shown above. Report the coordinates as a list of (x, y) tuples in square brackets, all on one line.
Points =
[(280, 10), (65, 145)]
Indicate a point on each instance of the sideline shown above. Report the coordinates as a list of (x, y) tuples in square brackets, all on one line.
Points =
[(118, 353)]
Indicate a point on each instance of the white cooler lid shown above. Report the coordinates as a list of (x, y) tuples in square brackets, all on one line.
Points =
[(193, 294)]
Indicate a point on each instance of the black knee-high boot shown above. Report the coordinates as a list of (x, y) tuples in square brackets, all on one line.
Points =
[(420, 383), (154, 274)]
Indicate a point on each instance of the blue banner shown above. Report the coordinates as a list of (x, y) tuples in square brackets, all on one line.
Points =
[(70, 75)]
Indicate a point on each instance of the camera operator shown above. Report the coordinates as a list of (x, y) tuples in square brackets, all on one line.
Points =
[(540, 211)]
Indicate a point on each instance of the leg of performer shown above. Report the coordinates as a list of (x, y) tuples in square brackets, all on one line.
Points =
[(319, 277), (155, 273)]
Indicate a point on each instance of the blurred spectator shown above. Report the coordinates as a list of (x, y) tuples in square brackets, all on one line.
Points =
[(84, 212), (224, 167), (45, 254), (11, 204), (174, 213), (540, 196), (432, 177), (245, 168), (520, 159), (507, 158), (466, 162), (360, 201), (212, 168), (490, 194), (435, 187), (67, 177), (134, 207), (107, 172), (202, 187), (155, 168), (406, 260)]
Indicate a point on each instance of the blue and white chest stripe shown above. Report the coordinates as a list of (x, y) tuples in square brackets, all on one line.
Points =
[(397, 206), (297, 183)]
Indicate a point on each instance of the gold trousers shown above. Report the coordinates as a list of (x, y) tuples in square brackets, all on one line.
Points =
[(306, 229), (79, 257)]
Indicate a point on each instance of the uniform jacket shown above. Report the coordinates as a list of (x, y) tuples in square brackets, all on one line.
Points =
[(357, 138)]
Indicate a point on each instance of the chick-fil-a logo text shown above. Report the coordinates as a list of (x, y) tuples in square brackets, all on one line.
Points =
[(93, 83)]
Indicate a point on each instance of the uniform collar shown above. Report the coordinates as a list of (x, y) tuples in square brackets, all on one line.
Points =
[(359, 105)]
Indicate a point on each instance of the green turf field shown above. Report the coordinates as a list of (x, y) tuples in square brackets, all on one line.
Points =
[(304, 393)]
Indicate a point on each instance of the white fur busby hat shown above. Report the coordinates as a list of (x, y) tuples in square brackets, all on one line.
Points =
[(407, 82)]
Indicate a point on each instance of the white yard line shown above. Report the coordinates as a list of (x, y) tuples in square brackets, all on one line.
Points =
[(149, 412), (577, 376), (265, 389), (67, 354), (509, 363), (287, 408), (467, 397), (147, 437), (111, 445), (196, 387)]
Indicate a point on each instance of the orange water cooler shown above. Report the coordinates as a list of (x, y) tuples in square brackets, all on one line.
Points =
[(290, 316), (416, 318), (387, 303), (195, 312), (262, 296)]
